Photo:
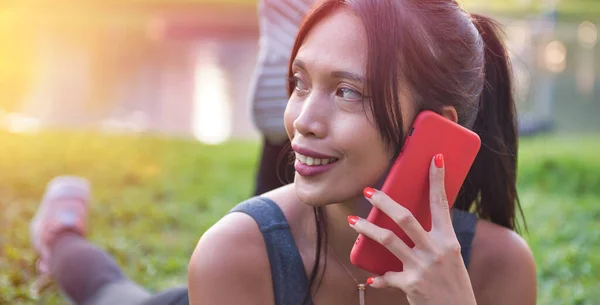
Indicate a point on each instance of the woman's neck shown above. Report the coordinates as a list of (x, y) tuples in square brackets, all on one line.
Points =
[(340, 236)]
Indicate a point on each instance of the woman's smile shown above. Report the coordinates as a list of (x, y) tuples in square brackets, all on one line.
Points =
[(311, 163)]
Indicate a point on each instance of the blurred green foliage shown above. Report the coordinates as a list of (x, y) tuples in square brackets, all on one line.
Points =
[(154, 197), (566, 10)]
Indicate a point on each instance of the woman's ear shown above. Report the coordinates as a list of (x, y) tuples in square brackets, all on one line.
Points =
[(449, 112)]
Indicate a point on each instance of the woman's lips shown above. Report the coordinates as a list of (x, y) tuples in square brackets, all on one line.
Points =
[(312, 163), (310, 153), (307, 166)]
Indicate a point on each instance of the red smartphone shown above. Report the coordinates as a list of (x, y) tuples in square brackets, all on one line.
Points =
[(408, 183)]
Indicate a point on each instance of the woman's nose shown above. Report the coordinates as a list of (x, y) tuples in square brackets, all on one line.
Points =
[(312, 121)]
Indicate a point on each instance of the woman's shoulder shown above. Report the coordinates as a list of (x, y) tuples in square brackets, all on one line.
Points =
[(230, 263), (502, 265), (501, 244)]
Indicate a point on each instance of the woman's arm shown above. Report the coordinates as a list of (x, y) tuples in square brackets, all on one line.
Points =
[(230, 265)]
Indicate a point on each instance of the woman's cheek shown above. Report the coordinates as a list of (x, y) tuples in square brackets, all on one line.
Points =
[(291, 113)]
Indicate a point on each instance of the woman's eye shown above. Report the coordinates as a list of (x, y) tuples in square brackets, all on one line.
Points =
[(349, 94), (299, 84)]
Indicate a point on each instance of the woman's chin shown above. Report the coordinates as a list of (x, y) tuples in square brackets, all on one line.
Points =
[(311, 194), (316, 194)]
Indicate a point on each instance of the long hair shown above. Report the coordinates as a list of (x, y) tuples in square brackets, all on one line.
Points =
[(439, 55)]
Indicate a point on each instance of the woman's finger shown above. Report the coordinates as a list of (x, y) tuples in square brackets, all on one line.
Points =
[(401, 216), (384, 237), (390, 279), (410, 282), (405, 280), (440, 209)]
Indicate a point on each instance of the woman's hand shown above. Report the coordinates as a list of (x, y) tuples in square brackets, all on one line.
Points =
[(434, 272)]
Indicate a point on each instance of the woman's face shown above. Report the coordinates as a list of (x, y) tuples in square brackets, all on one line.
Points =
[(338, 150)]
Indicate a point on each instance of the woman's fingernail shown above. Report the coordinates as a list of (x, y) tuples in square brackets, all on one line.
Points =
[(368, 192), (439, 161), (370, 280), (352, 220)]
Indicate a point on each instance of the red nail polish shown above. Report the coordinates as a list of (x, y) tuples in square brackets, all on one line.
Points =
[(352, 220), (370, 281), (439, 161), (368, 192)]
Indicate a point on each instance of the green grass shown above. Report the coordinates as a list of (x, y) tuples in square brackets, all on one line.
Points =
[(154, 197), (559, 181)]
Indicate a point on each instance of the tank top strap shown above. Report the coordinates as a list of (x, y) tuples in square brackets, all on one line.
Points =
[(290, 283)]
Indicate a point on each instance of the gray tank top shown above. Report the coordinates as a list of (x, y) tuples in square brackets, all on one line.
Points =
[(290, 283)]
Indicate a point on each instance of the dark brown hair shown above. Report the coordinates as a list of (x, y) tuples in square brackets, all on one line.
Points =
[(438, 55)]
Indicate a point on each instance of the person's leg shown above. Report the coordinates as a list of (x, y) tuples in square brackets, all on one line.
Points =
[(275, 168), (87, 275), (175, 296), (84, 274)]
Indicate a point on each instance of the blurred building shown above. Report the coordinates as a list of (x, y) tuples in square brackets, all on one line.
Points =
[(140, 67), (183, 69)]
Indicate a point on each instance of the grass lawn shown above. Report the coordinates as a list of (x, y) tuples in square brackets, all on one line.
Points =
[(154, 197)]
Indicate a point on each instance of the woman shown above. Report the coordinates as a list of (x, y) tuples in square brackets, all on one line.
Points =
[(360, 71)]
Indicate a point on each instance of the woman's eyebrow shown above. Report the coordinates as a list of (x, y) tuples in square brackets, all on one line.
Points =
[(348, 75), (336, 74), (299, 63)]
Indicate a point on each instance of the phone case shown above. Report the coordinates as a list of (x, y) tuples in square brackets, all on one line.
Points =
[(408, 183)]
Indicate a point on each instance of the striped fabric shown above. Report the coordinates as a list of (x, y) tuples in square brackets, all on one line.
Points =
[(279, 22)]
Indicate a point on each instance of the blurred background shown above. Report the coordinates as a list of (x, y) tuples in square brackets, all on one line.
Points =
[(149, 100)]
